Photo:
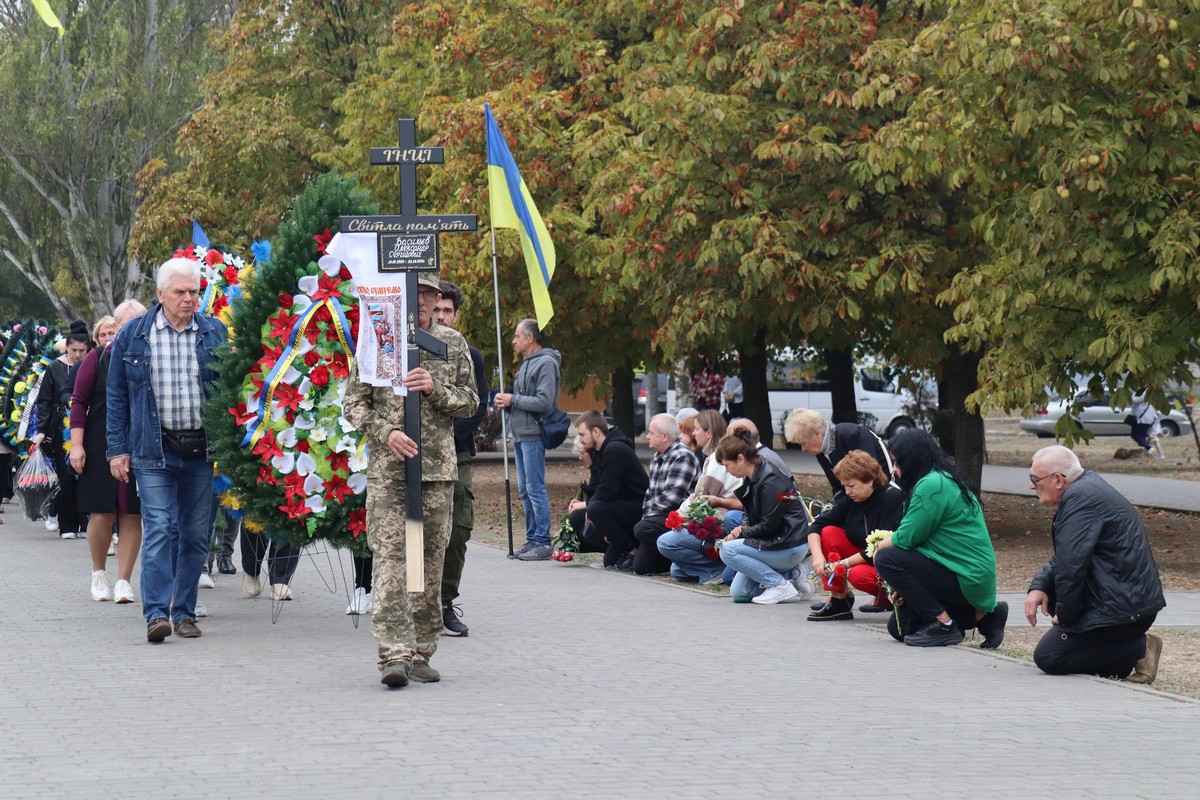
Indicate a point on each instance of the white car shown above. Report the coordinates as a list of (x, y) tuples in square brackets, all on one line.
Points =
[(790, 386), (1097, 416)]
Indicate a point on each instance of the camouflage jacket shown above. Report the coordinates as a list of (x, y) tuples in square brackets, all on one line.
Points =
[(377, 411)]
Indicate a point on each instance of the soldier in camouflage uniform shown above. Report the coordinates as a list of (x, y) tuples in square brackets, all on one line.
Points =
[(406, 626)]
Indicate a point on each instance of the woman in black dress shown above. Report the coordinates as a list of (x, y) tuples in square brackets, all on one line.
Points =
[(98, 493), (54, 397)]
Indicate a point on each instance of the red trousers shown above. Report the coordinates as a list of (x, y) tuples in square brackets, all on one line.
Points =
[(862, 576)]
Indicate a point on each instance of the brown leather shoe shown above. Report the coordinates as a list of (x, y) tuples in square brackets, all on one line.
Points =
[(158, 629), (1146, 669), (187, 629)]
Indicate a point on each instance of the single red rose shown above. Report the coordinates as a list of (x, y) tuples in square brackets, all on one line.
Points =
[(286, 301), (319, 376), (312, 358)]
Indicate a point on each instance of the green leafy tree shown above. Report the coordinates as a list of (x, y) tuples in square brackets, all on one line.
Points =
[(79, 117)]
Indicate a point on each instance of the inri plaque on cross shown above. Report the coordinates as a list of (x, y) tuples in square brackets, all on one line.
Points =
[(408, 243)]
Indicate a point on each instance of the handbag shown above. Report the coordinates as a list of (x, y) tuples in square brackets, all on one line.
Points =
[(189, 444), (554, 428), (1129, 420)]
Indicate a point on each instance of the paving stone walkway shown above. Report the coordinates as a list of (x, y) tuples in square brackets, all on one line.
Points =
[(573, 683)]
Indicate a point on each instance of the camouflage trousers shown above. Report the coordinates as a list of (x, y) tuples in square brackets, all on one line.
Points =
[(407, 625)]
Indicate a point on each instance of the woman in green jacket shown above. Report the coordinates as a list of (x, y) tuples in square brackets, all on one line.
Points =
[(940, 561)]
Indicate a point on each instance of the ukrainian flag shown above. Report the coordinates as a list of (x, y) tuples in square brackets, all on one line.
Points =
[(48, 16), (512, 207)]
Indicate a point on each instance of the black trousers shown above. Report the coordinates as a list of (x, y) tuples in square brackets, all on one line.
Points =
[(69, 519), (282, 559), (6, 476), (648, 560), (928, 588), (609, 528), (1111, 651), (363, 568)]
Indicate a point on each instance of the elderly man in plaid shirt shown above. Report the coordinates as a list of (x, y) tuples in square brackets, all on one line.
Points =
[(673, 474), (162, 364)]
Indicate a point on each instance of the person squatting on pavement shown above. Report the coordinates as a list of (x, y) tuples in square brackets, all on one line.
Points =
[(445, 312), (161, 367), (406, 626), (615, 504), (534, 396), (1101, 588)]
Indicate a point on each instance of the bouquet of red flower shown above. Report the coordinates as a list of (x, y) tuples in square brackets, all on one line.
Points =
[(702, 521), (566, 541)]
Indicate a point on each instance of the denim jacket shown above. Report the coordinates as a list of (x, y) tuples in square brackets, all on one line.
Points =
[(134, 429)]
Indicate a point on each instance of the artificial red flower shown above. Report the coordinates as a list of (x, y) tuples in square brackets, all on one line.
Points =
[(231, 275), (712, 552), (242, 415), (312, 358), (338, 462), (322, 313), (675, 520), (271, 354), (293, 486), (203, 284), (322, 240), (319, 376), (286, 300), (295, 509), (214, 257), (267, 476), (358, 522), (337, 489), (302, 446), (288, 397), (326, 287), (281, 324), (220, 303), (344, 273), (339, 366), (267, 447), (188, 252)]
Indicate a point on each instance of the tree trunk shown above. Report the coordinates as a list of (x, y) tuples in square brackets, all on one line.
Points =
[(622, 398), (960, 377), (756, 405), (840, 364)]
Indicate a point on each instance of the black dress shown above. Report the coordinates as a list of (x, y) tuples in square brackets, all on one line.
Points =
[(97, 490)]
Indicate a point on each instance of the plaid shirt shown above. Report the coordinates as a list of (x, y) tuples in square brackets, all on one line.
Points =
[(175, 375), (673, 475)]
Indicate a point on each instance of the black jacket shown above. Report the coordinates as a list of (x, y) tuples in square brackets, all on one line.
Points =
[(771, 523), (620, 476), (1102, 572), (464, 429), (849, 436), (881, 511)]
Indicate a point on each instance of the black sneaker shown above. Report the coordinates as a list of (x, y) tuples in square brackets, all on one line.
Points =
[(625, 564), (822, 604), (991, 625), (451, 621), (935, 634), (836, 608)]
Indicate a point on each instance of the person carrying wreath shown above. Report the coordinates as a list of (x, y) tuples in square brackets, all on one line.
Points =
[(940, 560), (769, 547), (837, 538)]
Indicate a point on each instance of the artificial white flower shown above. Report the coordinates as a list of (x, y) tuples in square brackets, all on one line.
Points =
[(285, 463), (357, 483), (305, 464)]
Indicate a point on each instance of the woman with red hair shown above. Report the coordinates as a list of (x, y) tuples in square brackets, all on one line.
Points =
[(837, 538)]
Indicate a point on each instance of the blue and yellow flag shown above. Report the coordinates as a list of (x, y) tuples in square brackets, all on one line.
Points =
[(512, 207), (48, 16)]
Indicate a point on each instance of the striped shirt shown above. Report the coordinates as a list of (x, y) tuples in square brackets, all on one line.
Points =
[(175, 375), (672, 476)]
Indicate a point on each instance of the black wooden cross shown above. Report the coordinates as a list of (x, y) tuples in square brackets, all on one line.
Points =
[(408, 243)]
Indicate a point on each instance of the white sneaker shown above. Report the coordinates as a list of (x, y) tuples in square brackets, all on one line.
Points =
[(251, 584), (804, 586), (52, 524), (201, 611), (100, 589), (281, 591), (360, 603), (775, 594), (112, 546), (123, 593), (206, 581)]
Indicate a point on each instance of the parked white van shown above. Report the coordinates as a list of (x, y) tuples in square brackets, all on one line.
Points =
[(792, 385)]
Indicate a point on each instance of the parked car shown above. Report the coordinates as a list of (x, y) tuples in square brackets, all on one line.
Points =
[(1097, 416), (879, 403)]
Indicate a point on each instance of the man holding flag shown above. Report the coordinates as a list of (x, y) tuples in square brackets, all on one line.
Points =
[(535, 390)]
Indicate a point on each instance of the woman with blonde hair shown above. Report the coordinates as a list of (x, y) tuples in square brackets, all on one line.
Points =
[(99, 494)]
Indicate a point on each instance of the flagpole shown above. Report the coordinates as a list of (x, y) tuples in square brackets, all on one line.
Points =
[(500, 364)]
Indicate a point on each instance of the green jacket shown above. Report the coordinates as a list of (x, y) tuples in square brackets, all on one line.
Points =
[(942, 525)]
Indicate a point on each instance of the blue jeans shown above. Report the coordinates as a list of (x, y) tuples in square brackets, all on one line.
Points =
[(176, 508), (759, 569), (687, 557), (531, 486)]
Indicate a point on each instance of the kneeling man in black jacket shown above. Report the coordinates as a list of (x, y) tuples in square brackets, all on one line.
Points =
[(1101, 587)]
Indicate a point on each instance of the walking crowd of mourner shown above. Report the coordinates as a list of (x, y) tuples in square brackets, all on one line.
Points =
[(108, 435)]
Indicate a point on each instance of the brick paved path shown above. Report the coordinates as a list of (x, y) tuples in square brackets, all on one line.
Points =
[(573, 683)]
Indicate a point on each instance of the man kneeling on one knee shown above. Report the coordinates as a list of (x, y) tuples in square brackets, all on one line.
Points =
[(1101, 588)]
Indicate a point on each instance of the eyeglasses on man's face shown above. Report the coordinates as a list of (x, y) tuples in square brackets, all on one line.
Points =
[(1036, 481)]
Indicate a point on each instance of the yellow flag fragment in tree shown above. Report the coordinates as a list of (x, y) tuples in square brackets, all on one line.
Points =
[(48, 16), (512, 207)]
